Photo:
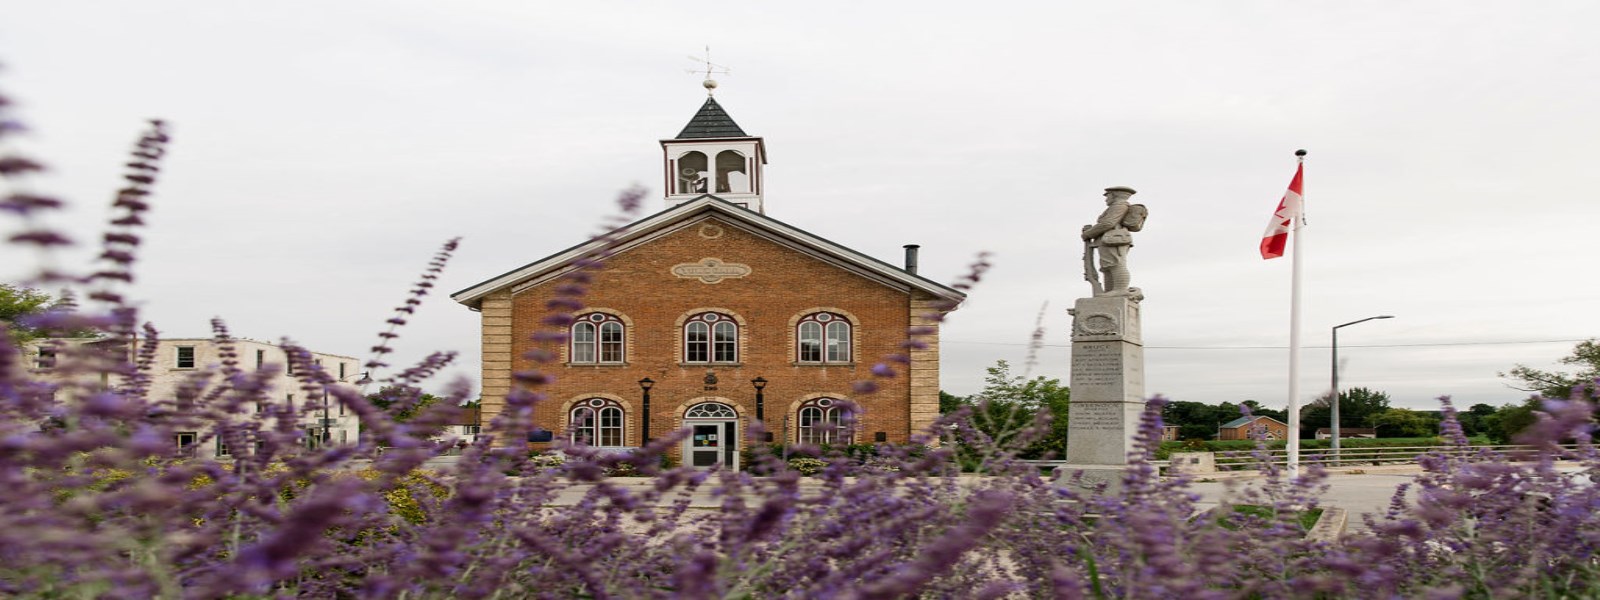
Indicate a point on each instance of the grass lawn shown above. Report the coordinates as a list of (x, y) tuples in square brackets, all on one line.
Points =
[(1307, 518)]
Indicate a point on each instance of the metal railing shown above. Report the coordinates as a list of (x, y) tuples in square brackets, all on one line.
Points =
[(1384, 455), (1241, 460)]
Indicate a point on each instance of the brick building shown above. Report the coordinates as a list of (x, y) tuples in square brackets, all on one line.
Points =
[(709, 315), (1253, 427)]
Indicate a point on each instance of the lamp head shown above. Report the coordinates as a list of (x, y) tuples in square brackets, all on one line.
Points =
[(759, 382), (646, 383)]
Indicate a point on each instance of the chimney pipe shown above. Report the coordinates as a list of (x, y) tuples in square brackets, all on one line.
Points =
[(911, 258)]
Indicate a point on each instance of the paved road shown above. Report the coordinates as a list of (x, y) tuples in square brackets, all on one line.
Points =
[(1358, 493)]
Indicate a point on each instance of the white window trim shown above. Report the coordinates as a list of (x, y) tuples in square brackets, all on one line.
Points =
[(831, 348), (594, 433)]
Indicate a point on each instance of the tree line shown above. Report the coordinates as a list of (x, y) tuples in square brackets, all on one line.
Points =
[(1009, 403)]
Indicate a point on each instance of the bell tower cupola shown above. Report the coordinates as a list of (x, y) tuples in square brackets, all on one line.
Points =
[(712, 155)]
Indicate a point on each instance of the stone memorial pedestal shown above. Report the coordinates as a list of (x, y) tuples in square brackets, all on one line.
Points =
[(1107, 390)]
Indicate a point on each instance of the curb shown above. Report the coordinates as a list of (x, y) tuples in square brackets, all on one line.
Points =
[(1330, 526)]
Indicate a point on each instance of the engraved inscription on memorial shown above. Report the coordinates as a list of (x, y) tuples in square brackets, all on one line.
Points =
[(1096, 416), (1097, 364)]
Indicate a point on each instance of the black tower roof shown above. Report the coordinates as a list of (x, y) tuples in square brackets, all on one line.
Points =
[(711, 122)]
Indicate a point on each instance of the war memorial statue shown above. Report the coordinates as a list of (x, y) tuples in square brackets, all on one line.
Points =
[(1107, 379), (1112, 235)]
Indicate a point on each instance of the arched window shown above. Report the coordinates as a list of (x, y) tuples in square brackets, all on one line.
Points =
[(710, 410), (597, 339), (823, 338), (826, 421), (711, 338), (692, 173), (731, 175), (597, 422)]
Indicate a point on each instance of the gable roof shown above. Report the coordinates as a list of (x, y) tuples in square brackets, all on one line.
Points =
[(711, 122), (648, 227), (1241, 421)]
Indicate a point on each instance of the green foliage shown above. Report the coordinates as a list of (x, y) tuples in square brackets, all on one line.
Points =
[(17, 302), (949, 403), (1503, 426), (807, 466), (402, 402), (1553, 384), (1001, 386), (1400, 422), (403, 497), (624, 469), (547, 460), (1477, 420), (1357, 407), (1010, 403), (1197, 421), (1243, 514)]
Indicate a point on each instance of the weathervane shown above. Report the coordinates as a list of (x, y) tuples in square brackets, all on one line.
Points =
[(710, 69)]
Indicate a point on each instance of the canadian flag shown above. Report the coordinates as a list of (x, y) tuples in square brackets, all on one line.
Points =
[(1289, 209)]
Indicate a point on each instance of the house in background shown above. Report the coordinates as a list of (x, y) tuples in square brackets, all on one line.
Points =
[(712, 316), (1169, 433), (177, 360), (1253, 427), (467, 427)]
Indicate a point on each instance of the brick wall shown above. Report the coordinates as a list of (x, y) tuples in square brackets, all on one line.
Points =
[(638, 285)]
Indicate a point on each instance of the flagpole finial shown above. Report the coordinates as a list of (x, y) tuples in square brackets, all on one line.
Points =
[(1300, 153)]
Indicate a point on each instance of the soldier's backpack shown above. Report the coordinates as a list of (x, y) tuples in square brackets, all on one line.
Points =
[(1133, 220)]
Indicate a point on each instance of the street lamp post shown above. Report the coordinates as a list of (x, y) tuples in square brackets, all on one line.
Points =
[(1334, 401), (644, 419), (760, 383)]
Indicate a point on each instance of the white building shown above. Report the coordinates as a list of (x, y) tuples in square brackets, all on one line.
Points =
[(177, 360)]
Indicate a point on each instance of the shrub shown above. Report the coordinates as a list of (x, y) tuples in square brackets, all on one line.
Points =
[(807, 466), (547, 460)]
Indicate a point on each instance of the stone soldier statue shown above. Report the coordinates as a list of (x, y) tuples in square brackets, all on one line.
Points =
[(1110, 237)]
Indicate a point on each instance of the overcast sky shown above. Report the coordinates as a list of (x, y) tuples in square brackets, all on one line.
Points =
[(323, 150)]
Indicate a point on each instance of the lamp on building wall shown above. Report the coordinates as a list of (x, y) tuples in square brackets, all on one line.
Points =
[(644, 420), (761, 402), (760, 383)]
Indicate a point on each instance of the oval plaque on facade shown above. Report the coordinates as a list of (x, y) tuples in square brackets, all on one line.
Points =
[(711, 270)]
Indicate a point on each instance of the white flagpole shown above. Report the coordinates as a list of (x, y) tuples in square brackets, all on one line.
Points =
[(1298, 232)]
